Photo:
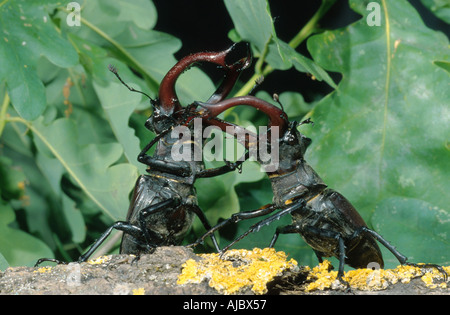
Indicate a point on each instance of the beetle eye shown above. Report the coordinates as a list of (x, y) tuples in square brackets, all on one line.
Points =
[(153, 121), (290, 137)]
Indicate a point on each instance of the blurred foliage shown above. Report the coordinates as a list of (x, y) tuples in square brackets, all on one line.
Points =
[(70, 133)]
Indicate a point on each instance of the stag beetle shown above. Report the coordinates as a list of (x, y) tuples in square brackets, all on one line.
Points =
[(164, 201), (323, 217), (175, 179)]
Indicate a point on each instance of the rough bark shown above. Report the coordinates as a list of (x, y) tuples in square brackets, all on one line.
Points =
[(153, 274)]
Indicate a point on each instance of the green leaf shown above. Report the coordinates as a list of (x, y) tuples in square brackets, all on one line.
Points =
[(211, 199), (74, 220), (89, 166), (11, 180), (304, 64), (112, 16), (251, 172), (443, 64), (384, 131), (141, 12), (29, 33), (3, 263), (252, 20), (254, 23), (37, 195), (147, 51), (418, 229), (154, 51), (17, 247), (116, 100), (39, 204), (118, 104)]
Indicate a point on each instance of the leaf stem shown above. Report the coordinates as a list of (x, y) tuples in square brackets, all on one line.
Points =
[(251, 82), (260, 62), (18, 119), (3, 110), (310, 27)]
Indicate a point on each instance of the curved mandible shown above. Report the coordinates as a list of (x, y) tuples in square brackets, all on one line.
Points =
[(277, 117), (168, 98)]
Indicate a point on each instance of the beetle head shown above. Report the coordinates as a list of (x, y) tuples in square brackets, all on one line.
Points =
[(158, 121), (293, 144)]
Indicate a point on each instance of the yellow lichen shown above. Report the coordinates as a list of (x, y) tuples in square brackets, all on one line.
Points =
[(43, 269), (367, 279), (139, 291), (241, 269), (99, 260), (237, 270), (323, 277)]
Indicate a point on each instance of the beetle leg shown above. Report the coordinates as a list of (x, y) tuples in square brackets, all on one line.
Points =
[(228, 167), (212, 172), (439, 268), (401, 258), (292, 229), (341, 249), (236, 217), (153, 142), (342, 262), (41, 260), (126, 227), (287, 229), (119, 225), (205, 223), (256, 227), (175, 168)]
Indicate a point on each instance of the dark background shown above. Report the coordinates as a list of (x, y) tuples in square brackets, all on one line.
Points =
[(204, 25)]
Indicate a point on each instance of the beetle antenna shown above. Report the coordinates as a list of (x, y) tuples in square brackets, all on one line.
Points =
[(276, 98), (306, 121), (114, 70)]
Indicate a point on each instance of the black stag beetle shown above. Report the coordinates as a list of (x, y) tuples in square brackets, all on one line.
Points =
[(164, 200), (323, 217)]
